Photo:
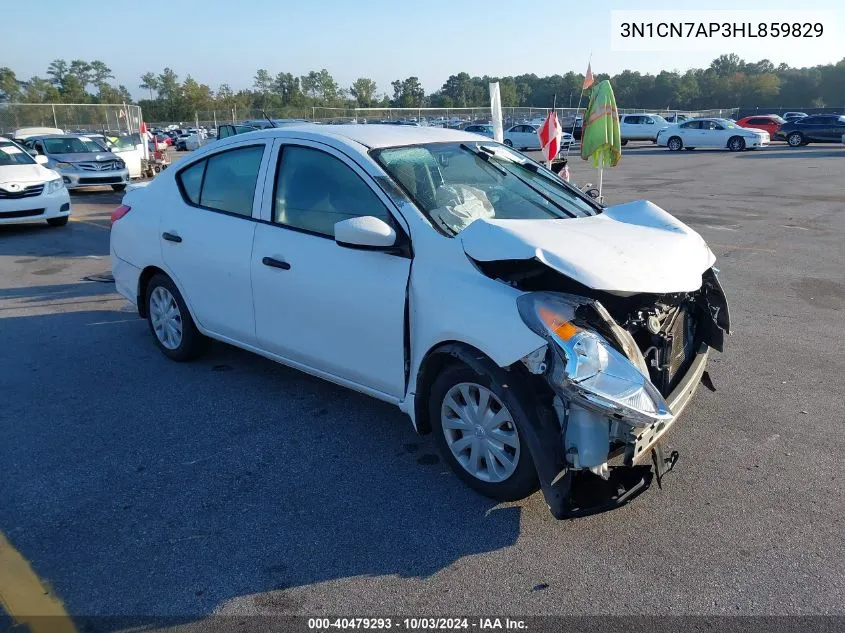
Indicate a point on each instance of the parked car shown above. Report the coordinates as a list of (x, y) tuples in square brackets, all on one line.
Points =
[(81, 161), (180, 142), (817, 128), (29, 191), (264, 123), (22, 134), (640, 127), (574, 332), (676, 117), (791, 116), (230, 129), (129, 148), (484, 130), (770, 123), (720, 133), (525, 137)]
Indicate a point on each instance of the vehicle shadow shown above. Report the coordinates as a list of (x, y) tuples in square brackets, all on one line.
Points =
[(77, 239), (143, 486)]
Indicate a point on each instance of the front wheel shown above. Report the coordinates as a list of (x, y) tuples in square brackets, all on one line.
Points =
[(508, 142), (118, 187), (796, 139), (476, 424), (624, 143), (675, 143), (736, 144), (170, 321)]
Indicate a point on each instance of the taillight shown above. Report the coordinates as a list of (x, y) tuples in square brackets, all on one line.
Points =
[(119, 213)]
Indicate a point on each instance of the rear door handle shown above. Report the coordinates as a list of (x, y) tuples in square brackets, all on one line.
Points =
[(275, 263), (171, 237)]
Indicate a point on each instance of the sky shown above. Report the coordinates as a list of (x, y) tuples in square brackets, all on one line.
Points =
[(225, 41)]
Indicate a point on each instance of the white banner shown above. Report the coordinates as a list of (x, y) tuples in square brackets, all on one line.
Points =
[(496, 112)]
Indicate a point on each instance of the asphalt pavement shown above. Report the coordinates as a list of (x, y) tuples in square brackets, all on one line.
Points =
[(141, 487)]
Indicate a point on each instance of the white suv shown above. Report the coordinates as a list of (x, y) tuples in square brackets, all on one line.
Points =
[(641, 127), (29, 191)]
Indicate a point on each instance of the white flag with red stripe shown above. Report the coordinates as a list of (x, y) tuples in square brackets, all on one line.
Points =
[(549, 134)]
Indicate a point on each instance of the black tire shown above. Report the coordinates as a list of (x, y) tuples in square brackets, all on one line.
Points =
[(60, 221), (118, 187), (795, 139), (193, 343), (508, 142), (523, 481), (675, 144), (736, 143), (624, 143)]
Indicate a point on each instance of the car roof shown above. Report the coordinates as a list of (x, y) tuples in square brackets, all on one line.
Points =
[(374, 135)]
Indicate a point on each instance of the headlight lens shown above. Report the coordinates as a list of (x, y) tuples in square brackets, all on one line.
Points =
[(60, 165), (595, 374), (120, 164), (53, 186)]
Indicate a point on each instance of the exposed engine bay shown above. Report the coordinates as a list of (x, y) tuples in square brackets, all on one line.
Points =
[(662, 338)]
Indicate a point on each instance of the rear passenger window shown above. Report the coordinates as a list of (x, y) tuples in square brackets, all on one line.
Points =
[(191, 181), (224, 181)]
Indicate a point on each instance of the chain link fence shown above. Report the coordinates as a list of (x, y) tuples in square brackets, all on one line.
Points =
[(71, 117)]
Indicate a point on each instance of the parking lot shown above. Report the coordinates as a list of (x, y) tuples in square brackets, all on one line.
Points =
[(141, 487)]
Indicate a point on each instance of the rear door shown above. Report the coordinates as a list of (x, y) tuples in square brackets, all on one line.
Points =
[(206, 237)]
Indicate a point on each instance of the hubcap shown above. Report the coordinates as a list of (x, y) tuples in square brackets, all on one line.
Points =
[(165, 317), (480, 432), (675, 144)]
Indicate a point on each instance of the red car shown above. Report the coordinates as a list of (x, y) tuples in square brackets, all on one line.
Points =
[(769, 122)]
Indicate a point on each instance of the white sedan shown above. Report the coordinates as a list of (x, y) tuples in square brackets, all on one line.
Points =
[(722, 133), (534, 332), (29, 192), (524, 137)]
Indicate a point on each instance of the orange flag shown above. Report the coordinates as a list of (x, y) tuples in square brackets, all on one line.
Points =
[(588, 78)]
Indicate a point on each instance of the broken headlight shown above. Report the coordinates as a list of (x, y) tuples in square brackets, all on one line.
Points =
[(592, 373)]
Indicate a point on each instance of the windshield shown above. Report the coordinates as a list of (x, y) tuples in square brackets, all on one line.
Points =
[(11, 154), (72, 145), (454, 184)]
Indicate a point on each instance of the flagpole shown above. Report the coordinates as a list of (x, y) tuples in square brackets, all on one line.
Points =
[(578, 109)]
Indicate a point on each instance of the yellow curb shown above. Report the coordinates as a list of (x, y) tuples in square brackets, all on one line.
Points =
[(24, 597)]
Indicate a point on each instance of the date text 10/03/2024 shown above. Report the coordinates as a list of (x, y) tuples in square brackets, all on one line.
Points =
[(417, 624)]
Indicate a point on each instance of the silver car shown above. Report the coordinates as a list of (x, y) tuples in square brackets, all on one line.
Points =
[(81, 161)]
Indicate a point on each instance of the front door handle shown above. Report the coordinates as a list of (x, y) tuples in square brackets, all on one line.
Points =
[(171, 237), (275, 263)]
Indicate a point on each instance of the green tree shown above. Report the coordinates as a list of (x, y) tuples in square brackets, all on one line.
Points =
[(56, 71), (408, 93), (10, 89), (363, 90), (99, 74), (149, 82), (81, 71)]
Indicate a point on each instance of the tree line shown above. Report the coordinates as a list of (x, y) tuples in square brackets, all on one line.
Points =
[(728, 82)]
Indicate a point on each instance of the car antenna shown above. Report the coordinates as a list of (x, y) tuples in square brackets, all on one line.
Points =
[(269, 120)]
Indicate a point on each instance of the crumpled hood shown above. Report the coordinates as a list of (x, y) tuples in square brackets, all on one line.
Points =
[(25, 173), (629, 248)]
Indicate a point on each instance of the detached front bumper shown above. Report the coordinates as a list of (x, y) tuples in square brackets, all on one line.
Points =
[(80, 178)]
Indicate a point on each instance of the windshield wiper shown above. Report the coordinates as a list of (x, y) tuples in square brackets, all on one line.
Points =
[(483, 156)]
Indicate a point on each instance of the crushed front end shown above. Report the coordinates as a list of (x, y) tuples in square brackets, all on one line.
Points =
[(622, 369)]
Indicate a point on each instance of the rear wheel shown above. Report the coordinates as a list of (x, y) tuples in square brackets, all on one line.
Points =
[(675, 143), (476, 425), (796, 139), (60, 221), (624, 143), (508, 142), (736, 143), (170, 321)]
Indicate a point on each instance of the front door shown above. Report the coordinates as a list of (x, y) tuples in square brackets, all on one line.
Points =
[(334, 309), (206, 237)]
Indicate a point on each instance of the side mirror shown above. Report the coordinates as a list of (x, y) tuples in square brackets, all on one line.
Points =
[(41, 159), (365, 232), (32, 152)]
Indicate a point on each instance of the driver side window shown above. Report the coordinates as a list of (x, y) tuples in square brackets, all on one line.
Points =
[(315, 190)]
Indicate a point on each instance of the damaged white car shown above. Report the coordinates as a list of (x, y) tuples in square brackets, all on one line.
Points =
[(542, 338)]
